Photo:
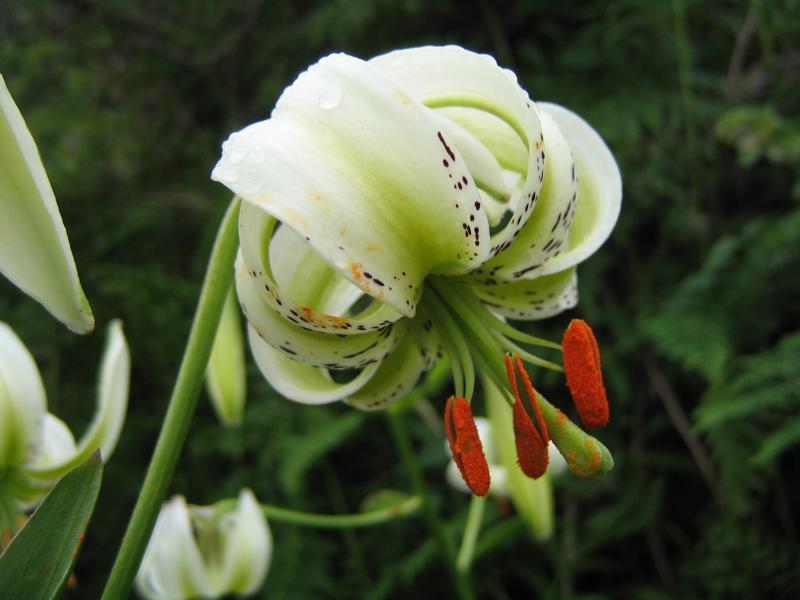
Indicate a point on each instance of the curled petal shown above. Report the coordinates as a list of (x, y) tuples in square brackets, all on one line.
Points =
[(396, 376), (112, 404), (34, 249), (354, 164), (532, 299), (298, 284), (22, 402), (547, 231), (599, 189), (301, 382), (307, 346), (449, 77)]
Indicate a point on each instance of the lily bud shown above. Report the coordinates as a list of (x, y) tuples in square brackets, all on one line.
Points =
[(34, 249), (206, 551), (225, 375)]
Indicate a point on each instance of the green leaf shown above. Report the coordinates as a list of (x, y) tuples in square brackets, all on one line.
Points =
[(37, 563)]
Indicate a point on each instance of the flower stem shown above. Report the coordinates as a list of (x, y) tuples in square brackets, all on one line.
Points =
[(471, 531), (181, 406), (443, 540), (406, 508)]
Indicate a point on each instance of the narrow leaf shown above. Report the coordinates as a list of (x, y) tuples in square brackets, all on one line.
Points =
[(37, 563)]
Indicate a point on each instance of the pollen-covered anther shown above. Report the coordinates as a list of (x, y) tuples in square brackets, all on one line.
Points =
[(530, 431), (584, 375), (465, 445)]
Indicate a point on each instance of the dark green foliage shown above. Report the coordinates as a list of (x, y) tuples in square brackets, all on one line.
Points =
[(38, 562), (695, 299)]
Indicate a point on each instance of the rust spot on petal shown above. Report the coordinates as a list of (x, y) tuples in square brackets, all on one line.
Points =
[(584, 375), (465, 445), (357, 270)]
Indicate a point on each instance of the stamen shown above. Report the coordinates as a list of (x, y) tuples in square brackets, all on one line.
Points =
[(465, 445), (531, 438), (584, 375)]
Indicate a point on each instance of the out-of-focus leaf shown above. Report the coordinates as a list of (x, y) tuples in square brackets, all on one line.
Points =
[(37, 563)]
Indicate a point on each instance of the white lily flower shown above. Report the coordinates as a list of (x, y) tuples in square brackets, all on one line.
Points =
[(426, 182), (36, 447), (226, 378), (34, 249), (206, 551)]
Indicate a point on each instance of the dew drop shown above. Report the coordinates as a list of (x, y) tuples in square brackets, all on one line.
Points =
[(330, 95)]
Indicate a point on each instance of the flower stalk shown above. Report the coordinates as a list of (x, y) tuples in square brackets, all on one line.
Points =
[(181, 408), (447, 550)]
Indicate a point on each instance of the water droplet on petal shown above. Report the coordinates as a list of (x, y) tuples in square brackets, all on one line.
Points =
[(330, 95)]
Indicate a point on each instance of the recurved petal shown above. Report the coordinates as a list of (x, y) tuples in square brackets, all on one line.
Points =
[(298, 284), (22, 402), (225, 374), (545, 235), (299, 381), (112, 404), (172, 566), (34, 249), (247, 549), (305, 345), (599, 189), (357, 166), (449, 77), (532, 299), (396, 376)]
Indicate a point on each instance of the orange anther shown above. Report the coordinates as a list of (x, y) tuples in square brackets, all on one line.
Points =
[(531, 437), (465, 445), (584, 375)]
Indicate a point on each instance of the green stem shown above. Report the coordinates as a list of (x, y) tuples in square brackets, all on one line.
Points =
[(406, 508), (181, 406), (471, 531), (443, 540)]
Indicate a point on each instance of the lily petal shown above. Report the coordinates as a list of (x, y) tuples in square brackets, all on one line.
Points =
[(225, 374), (112, 404), (448, 77), (172, 566), (546, 233), (22, 401), (396, 376), (382, 191), (271, 263), (34, 249), (532, 299), (301, 382), (247, 548), (600, 189), (58, 443), (304, 345)]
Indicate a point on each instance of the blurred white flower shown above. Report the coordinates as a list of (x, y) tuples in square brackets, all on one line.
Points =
[(36, 447), (34, 249), (206, 551)]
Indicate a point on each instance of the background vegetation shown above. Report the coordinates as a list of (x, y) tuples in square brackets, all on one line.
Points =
[(695, 298)]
